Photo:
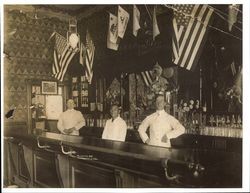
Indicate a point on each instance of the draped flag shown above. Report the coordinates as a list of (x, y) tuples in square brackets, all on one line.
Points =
[(112, 37), (232, 15), (156, 30), (147, 77), (60, 45), (136, 20), (90, 53), (190, 26), (82, 53), (123, 17), (63, 54)]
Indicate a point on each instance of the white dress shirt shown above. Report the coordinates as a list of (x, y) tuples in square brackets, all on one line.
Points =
[(115, 130), (71, 118), (162, 128)]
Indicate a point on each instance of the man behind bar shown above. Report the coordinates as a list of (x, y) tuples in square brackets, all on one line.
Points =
[(71, 120), (162, 126), (115, 128)]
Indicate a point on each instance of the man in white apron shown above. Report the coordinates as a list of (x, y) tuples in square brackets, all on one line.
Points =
[(162, 126)]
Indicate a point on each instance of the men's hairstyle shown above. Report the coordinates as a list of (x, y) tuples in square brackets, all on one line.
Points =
[(115, 103), (160, 95), (70, 100)]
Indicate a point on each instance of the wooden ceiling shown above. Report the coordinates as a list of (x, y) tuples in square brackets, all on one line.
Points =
[(78, 11), (61, 11)]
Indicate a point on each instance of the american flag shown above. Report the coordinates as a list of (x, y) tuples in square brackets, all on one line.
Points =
[(90, 52), (63, 54), (190, 25), (147, 77)]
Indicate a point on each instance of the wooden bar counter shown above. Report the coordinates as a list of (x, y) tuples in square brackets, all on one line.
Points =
[(56, 160)]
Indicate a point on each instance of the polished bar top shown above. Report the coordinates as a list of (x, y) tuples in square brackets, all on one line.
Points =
[(219, 165), (135, 150)]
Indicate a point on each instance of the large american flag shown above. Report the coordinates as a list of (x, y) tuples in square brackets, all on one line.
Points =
[(63, 54), (190, 25), (90, 53)]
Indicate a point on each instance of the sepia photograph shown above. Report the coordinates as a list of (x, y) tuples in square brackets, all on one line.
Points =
[(137, 97)]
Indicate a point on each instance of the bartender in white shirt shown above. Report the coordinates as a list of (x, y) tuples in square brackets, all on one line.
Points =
[(162, 126), (71, 120), (115, 128)]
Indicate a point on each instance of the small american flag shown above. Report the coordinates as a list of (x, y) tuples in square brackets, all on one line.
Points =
[(147, 77), (190, 26), (90, 53)]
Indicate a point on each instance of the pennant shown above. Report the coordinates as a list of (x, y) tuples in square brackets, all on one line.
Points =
[(123, 17), (136, 20), (112, 29), (156, 30), (232, 15)]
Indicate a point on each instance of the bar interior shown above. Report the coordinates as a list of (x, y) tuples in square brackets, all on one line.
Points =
[(123, 96)]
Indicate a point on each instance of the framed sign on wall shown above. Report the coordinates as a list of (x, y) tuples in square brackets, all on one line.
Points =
[(54, 106), (49, 87)]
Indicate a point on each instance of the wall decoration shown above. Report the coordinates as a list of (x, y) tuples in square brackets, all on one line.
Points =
[(49, 87), (54, 106), (31, 56)]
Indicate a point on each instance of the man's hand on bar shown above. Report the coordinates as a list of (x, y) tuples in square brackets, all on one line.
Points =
[(68, 131), (147, 141)]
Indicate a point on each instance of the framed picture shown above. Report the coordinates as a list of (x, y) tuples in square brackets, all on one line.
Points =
[(49, 87)]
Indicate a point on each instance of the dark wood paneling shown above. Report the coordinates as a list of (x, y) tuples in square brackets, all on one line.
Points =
[(89, 176), (22, 167), (45, 174), (147, 183)]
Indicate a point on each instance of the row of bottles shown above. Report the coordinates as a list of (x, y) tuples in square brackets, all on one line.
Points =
[(233, 120), (215, 131), (91, 122), (82, 87)]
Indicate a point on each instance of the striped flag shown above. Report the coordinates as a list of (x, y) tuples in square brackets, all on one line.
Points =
[(90, 53), (60, 45), (147, 77), (190, 26), (63, 54)]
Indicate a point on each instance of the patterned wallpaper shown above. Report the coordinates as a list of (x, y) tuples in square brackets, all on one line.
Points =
[(30, 56)]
